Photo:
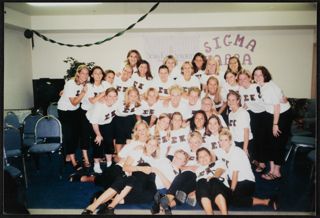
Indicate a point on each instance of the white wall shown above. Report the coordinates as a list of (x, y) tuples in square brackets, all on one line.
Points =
[(286, 53), (18, 93)]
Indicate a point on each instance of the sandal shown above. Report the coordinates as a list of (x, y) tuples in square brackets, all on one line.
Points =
[(273, 203), (87, 212), (270, 176)]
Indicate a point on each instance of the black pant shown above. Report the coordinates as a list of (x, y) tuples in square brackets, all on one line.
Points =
[(123, 128), (275, 150), (259, 135), (108, 176), (70, 121), (106, 146), (185, 181), (87, 133), (243, 193)]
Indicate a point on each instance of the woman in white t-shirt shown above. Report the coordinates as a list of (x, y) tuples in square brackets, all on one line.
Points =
[(278, 121), (143, 77), (149, 105), (101, 116), (198, 122), (194, 101), (212, 185), (211, 137), (178, 134), (163, 83), (187, 80), (133, 59), (242, 184), (69, 112), (208, 106), (239, 123), (108, 80), (251, 100), (127, 114), (124, 81), (171, 62), (199, 62), (96, 91)]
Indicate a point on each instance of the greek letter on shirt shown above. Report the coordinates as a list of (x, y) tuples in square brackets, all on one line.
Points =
[(252, 97), (232, 122), (107, 116), (163, 90)]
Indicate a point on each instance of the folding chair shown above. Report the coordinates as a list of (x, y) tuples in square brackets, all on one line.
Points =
[(29, 124), (12, 119), (53, 109)]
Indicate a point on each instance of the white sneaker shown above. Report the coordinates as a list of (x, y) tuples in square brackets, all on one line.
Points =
[(97, 168), (109, 163)]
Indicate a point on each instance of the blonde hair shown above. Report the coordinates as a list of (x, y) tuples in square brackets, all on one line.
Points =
[(187, 63), (195, 134), (185, 154), (134, 135), (170, 57), (194, 89), (225, 132), (175, 88), (156, 127), (210, 58), (79, 68), (126, 97), (217, 96), (156, 153), (151, 89)]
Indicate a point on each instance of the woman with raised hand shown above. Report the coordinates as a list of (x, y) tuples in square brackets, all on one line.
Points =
[(101, 118), (69, 112), (277, 123), (133, 59), (108, 80), (163, 82)]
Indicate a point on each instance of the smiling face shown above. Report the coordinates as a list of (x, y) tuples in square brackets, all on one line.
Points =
[(151, 146), (258, 77), (211, 66), (170, 63), (199, 62), (175, 97), (204, 158), (231, 79), (213, 126), (111, 98), (193, 98), (126, 73), (187, 70), (179, 159), (195, 142), (109, 78), (152, 97), (206, 105), (142, 132), (133, 96), (212, 86), (199, 121), (176, 121), (83, 75), (244, 80), (233, 102), (97, 75), (233, 64), (164, 123), (163, 75), (225, 142), (133, 59), (143, 68)]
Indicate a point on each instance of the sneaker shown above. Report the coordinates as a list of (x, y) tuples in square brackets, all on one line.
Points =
[(97, 168), (191, 201), (181, 196)]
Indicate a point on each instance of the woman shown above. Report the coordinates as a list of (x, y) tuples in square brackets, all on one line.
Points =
[(108, 80), (242, 184), (149, 105), (234, 65), (133, 59), (212, 184), (239, 123), (278, 121), (143, 77), (69, 112), (207, 105), (187, 81), (212, 69), (138, 186), (211, 137), (171, 62), (251, 101), (162, 132), (178, 134), (124, 81), (96, 91), (198, 122), (127, 114), (101, 117), (199, 62), (163, 83), (194, 101)]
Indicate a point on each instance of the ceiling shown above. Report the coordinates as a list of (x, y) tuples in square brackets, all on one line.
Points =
[(164, 7)]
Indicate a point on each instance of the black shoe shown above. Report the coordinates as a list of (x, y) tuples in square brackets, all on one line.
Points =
[(103, 208), (155, 209), (109, 211), (87, 212), (95, 196), (164, 202)]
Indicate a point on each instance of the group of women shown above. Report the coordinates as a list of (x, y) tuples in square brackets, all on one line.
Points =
[(193, 133)]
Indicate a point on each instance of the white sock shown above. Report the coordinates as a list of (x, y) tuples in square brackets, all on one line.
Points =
[(97, 168)]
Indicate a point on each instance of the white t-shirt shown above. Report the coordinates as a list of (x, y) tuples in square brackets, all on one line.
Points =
[(238, 121), (193, 82), (70, 90), (226, 88), (271, 95), (211, 142), (101, 114), (237, 160), (199, 74), (164, 140), (178, 137), (107, 85), (205, 172), (123, 111), (141, 83), (162, 87), (92, 92), (122, 86), (148, 110), (252, 99), (164, 165), (182, 108), (129, 148), (175, 73), (194, 108)]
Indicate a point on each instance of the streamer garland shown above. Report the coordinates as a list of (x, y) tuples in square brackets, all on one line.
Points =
[(29, 33)]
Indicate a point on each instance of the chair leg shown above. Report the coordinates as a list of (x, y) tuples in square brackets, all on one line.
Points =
[(62, 164), (288, 154), (25, 171)]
